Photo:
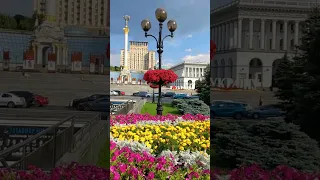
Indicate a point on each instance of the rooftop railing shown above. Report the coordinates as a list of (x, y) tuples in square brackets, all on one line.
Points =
[(268, 3)]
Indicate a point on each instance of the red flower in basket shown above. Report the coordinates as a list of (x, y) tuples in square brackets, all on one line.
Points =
[(160, 77), (213, 49)]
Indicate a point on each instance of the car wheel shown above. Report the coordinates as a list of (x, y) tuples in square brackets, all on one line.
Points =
[(37, 104), (238, 116), (255, 116), (11, 105), (86, 108)]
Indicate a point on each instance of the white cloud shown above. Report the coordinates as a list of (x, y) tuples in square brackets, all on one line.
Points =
[(189, 36), (188, 50), (199, 58), (115, 59)]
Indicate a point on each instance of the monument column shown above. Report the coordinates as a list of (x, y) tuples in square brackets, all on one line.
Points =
[(39, 54), (126, 32)]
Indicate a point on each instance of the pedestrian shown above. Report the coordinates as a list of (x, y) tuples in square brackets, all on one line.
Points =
[(260, 101)]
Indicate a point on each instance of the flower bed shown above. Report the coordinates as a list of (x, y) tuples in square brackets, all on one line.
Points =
[(71, 171), (254, 172), (160, 147)]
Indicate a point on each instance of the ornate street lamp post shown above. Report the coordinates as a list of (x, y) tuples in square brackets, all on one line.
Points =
[(161, 16)]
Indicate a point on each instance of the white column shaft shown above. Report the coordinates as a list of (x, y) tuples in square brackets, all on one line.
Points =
[(274, 34), (235, 32), (239, 32), (296, 33), (285, 35), (262, 33), (250, 34), (227, 36), (125, 50)]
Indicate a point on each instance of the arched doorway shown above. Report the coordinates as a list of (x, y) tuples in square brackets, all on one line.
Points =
[(190, 84), (215, 69), (45, 52), (229, 69), (222, 68), (275, 66), (255, 69)]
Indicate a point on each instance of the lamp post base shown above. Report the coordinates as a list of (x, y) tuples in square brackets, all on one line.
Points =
[(159, 109)]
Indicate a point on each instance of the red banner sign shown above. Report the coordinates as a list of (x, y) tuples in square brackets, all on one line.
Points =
[(108, 51), (28, 55), (52, 56), (213, 49), (76, 56), (6, 55)]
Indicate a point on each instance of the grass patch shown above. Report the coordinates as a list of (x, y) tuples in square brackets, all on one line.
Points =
[(151, 108), (103, 159)]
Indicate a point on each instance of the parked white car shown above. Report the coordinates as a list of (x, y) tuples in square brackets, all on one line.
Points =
[(151, 95), (11, 100), (113, 93)]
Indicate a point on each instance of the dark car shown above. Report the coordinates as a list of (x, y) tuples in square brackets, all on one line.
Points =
[(192, 97), (28, 96), (266, 112), (76, 102), (143, 94), (169, 94), (135, 94), (100, 105), (236, 110)]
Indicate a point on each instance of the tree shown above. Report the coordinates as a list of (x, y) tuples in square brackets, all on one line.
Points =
[(7, 22), (203, 86), (305, 78), (268, 143)]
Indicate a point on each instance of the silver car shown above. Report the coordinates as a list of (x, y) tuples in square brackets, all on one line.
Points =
[(11, 100)]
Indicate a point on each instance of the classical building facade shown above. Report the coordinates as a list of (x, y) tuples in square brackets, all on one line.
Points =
[(92, 14), (139, 56), (188, 73), (252, 35)]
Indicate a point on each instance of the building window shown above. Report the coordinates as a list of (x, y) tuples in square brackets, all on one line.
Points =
[(281, 44), (270, 43), (281, 27)]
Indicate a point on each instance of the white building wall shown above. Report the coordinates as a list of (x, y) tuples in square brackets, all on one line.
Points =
[(251, 39)]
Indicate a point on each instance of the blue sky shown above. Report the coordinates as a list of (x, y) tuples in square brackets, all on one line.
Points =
[(192, 37)]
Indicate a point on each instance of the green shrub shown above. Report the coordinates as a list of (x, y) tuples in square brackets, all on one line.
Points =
[(267, 143), (191, 106)]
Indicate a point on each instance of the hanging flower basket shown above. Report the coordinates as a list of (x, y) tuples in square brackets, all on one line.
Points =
[(160, 77), (153, 86)]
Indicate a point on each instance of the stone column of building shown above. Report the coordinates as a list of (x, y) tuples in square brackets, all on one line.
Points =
[(250, 33), (239, 32), (39, 53), (188, 71), (235, 32), (296, 33), (285, 35), (227, 37), (70, 6), (231, 35), (274, 34), (59, 54), (223, 37), (218, 37), (262, 33)]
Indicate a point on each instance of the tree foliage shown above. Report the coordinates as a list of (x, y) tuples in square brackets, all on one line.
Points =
[(203, 86), (7, 22), (267, 143), (300, 79)]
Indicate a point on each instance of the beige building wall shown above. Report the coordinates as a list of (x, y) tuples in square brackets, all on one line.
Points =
[(92, 14), (139, 57)]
